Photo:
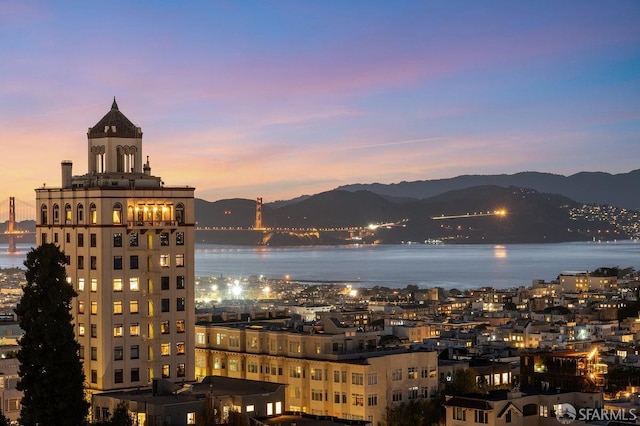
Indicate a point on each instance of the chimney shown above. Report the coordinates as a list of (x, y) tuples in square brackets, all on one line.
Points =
[(66, 174)]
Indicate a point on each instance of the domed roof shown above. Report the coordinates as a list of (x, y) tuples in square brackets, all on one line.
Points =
[(114, 124)]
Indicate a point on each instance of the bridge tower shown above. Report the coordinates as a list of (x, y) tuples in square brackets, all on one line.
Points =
[(258, 224), (12, 226)]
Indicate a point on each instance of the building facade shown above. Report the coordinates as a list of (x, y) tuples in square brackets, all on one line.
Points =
[(129, 243), (339, 372)]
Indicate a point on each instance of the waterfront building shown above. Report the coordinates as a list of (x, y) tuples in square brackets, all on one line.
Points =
[(129, 244), (336, 370)]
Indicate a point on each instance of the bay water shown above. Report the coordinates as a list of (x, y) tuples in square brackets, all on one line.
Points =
[(396, 266)]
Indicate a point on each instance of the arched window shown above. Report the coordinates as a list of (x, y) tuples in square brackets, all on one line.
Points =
[(43, 214), (56, 213), (117, 214), (80, 214), (67, 213), (93, 211), (180, 213)]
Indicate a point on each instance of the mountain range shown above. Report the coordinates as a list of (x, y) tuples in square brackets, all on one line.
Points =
[(413, 211)]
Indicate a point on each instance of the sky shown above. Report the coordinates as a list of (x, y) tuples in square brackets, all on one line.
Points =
[(276, 99)]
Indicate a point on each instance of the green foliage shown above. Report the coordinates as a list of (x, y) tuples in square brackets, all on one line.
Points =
[(510, 306), (120, 416), (51, 375), (464, 381), (417, 412)]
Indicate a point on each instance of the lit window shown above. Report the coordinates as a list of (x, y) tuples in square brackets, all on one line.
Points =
[(134, 329), (117, 284), (80, 284), (191, 418), (165, 349), (117, 213), (94, 308), (81, 329), (67, 213), (94, 284), (164, 327), (117, 330), (179, 260), (93, 212), (117, 308), (165, 371), (134, 284), (180, 348), (134, 307), (180, 326), (164, 260), (81, 307)]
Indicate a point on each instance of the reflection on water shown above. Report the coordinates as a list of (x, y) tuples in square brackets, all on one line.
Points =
[(461, 266)]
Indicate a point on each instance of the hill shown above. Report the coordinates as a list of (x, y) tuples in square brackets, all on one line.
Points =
[(531, 217), (586, 187)]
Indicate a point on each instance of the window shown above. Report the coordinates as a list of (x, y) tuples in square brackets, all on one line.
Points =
[(165, 349), (117, 214), (43, 236), (68, 238), (118, 353), (94, 330), (181, 370), (165, 371), (81, 306), (180, 282), (93, 240), (164, 327), (396, 374), (295, 372), (191, 418), (134, 329), (80, 213), (180, 326), (459, 413), (481, 416), (93, 214), (179, 260), (357, 379), (164, 305), (67, 213), (413, 392), (164, 260), (316, 394), (56, 213), (55, 237), (135, 352), (94, 308), (118, 376), (133, 262), (316, 374), (117, 307), (81, 352), (357, 400), (81, 329), (134, 284), (94, 285), (80, 240), (336, 397), (180, 304), (543, 411), (164, 239), (179, 238), (134, 307), (372, 400), (117, 239), (94, 353), (252, 367), (80, 284), (180, 214), (94, 263), (412, 373), (94, 376), (80, 260), (43, 214), (133, 239), (336, 376), (200, 338), (117, 330), (396, 395), (372, 378), (164, 283), (507, 416), (117, 262), (117, 284), (180, 349), (135, 374)]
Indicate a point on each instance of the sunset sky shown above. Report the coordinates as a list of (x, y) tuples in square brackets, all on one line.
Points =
[(283, 98)]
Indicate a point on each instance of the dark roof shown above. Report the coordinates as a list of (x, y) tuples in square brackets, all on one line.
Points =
[(114, 124), (476, 404)]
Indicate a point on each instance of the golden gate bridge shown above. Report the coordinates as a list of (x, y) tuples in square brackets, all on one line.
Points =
[(18, 212)]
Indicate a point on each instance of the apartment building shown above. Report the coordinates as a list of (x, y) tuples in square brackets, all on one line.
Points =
[(338, 371), (129, 244)]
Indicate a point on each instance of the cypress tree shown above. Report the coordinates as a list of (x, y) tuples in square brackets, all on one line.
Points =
[(51, 375)]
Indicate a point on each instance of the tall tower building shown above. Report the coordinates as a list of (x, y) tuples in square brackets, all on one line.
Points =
[(129, 242)]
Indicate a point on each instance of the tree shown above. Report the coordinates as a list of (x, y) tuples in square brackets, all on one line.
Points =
[(51, 375), (464, 381), (120, 416)]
